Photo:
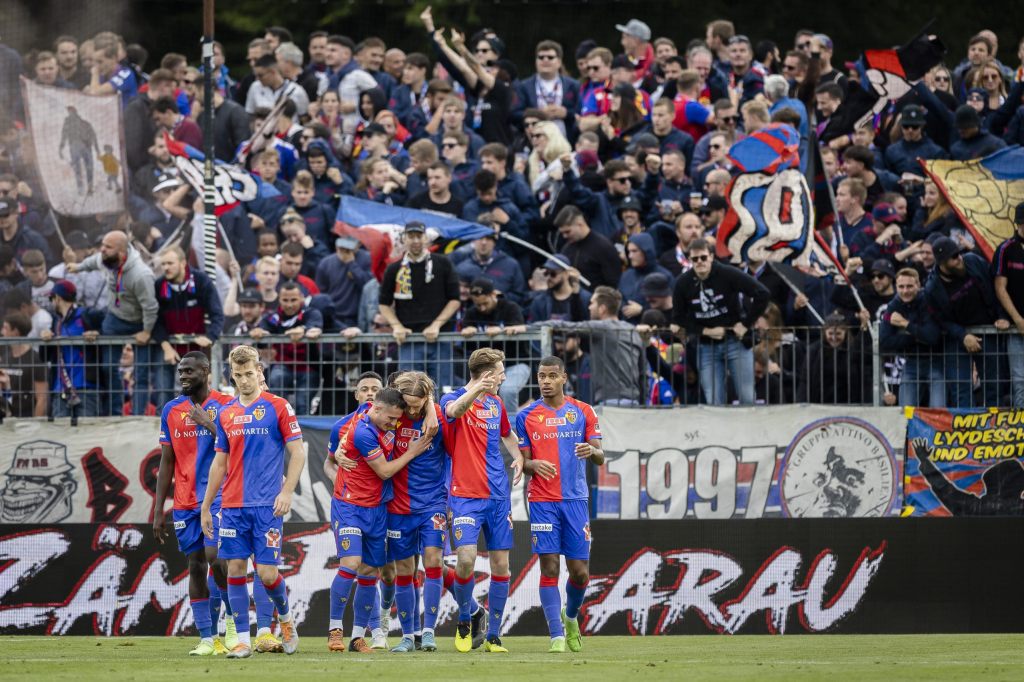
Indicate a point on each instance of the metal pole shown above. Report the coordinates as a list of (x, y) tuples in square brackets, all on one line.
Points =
[(876, 366), (209, 217)]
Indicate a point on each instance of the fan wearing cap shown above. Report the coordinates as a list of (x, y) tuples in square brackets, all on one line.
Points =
[(961, 294), (636, 43), (489, 316), (19, 238), (91, 286), (712, 213), (874, 293), (903, 156), (341, 276), (563, 299), (882, 239), (973, 142), (601, 207), (420, 294), (157, 213), (78, 367), (1008, 268)]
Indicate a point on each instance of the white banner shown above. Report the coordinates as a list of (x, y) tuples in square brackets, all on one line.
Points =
[(79, 147), (718, 463)]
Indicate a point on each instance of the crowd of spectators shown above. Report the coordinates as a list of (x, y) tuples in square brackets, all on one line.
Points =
[(610, 155)]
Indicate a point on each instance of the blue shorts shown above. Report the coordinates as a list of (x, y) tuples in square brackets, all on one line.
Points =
[(188, 528), (470, 515), (561, 528), (360, 531), (408, 534), (251, 531)]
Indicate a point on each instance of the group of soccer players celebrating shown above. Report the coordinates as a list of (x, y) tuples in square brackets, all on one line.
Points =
[(415, 479)]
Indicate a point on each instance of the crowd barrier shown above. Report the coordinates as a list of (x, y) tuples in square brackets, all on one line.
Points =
[(74, 377)]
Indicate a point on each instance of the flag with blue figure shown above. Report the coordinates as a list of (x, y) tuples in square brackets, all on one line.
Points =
[(771, 212)]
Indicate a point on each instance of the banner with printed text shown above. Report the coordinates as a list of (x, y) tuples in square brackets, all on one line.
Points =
[(777, 576), (965, 462), (79, 147), (717, 463)]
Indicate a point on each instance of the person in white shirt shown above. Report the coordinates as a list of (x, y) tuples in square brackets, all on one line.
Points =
[(270, 85)]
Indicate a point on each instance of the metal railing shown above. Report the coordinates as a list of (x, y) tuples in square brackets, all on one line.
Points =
[(75, 377)]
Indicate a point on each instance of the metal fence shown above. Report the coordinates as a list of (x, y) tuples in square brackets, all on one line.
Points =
[(74, 377)]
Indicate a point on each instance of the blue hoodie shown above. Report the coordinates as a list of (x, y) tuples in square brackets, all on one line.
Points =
[(632, 278)]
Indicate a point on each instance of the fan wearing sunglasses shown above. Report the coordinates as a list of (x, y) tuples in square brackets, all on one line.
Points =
[(902, 156)]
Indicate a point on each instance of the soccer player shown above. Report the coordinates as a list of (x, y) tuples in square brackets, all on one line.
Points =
[(359, 511), (557, 435), (253, 432), (416, 512), (187, 436), (479, 495)]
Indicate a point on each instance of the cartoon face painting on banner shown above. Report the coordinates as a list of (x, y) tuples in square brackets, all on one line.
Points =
[(79, 148), (965, 463)]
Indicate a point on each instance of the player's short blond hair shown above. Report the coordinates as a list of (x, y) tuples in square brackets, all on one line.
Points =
[(243, 355), (483, 360)]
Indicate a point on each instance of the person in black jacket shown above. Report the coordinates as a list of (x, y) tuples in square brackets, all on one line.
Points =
[(292, 373), (837, 371), (719, 304), (908, 327), (961, 293)]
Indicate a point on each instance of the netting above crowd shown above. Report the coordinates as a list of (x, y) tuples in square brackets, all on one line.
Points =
[(602, 176)]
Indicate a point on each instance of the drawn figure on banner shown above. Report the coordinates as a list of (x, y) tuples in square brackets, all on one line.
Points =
[(838, 467), (80, 138), (112, 168), (39, 484), (1004, 486)]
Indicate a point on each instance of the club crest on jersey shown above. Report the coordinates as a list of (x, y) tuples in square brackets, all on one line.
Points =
[(273, 538), (570, 414), (259, 412), (345, 544), (440, 522), (535, 539), (212, 411), (458, 533)]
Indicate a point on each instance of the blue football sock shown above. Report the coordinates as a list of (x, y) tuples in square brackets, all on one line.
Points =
[(464, 597), (215, 600), (239, 596), (366, 588), (278, 593), (201, 615), (551, 602), (387, 595), (432, 588), (496, 598), (264, 604), (574, 598), (341, 588), (405, 597)]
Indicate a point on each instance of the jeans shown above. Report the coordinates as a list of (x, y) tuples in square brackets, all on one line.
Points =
[(115, 326), (294, 385), (89, 407), (712, 360), (959, 375), (164, 380), (516, 377), (918, 372), (1015, 355), (433, 358)]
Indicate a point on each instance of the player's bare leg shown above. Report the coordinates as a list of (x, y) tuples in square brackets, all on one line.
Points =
[(496, 598), (575, 591)]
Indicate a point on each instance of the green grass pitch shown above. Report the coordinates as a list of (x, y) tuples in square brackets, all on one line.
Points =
[(837, 657)]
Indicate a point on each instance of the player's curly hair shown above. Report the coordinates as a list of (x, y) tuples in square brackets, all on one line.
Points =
[(243, 355), (483, 360)]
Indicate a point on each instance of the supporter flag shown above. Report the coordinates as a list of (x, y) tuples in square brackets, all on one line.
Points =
[(232, 184), (378, 226), (885, 76), (771, 213), (983, 192), (78, 141)]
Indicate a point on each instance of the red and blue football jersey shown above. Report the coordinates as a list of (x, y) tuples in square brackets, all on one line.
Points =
[(254, 436), (478, 469), (341, 427), (193, 447), (420, 486), (551, 435), (364, 442)]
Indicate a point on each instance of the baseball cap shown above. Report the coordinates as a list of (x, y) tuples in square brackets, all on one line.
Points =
[(644, 141), (374, 129), (250, 295), (656, 285), (913, 115), (1018, 215), (635, 28), (825, 41), (945, 248), (481, 286), (166, 181), (630, 203), (350, 243), (64, 289), (415, 226), (557, 262), (885, 213), (7, 207), (714, 202), (77, 239), (884, 266), (621, 61)]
